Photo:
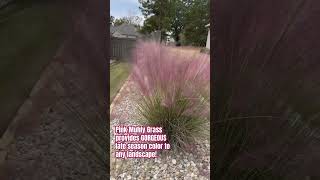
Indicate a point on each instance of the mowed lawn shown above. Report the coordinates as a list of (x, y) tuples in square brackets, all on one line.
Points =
[(30, 34), (119, 72), (186, 50)]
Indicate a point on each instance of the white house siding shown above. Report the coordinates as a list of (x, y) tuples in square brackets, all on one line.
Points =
[(208, 40)]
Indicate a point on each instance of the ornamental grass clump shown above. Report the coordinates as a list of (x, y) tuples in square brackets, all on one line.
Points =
[(175, 92), (266, 90)]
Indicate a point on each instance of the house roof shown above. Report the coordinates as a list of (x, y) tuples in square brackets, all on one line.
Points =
[(112, 29), (125, 29)]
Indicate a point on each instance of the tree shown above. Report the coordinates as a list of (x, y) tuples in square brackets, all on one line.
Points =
[(179, 17), (134, 20), (157, 16), (178, 10), (118, 22), (196, 18)]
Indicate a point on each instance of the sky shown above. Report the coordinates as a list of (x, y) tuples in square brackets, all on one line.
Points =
[(121, 8)]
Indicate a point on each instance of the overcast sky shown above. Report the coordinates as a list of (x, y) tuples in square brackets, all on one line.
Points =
[(121, 8)]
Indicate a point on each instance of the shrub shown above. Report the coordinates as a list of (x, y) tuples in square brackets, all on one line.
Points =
[(175, 91), (205, 50)]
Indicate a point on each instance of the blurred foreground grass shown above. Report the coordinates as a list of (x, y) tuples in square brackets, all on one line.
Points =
[(30, 33)]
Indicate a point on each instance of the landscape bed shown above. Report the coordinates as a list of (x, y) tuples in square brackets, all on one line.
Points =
[(166, 89)]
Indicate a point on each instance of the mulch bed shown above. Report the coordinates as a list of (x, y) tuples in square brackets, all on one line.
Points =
[(184, 165)]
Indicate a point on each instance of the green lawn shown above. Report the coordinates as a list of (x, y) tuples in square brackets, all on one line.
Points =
[(30, 34), (119, 72)]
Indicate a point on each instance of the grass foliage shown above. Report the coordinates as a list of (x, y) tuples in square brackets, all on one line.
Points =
[(119, 72), (30, 33), (175, 91), (266, 89)]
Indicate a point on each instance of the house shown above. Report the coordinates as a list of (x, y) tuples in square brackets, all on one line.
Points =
[(170, 41), (123, 39), (124, 31), (156, 36), (208, 37)]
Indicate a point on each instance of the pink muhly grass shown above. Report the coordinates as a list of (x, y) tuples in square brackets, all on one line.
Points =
[(157, 68), (173, 86)]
